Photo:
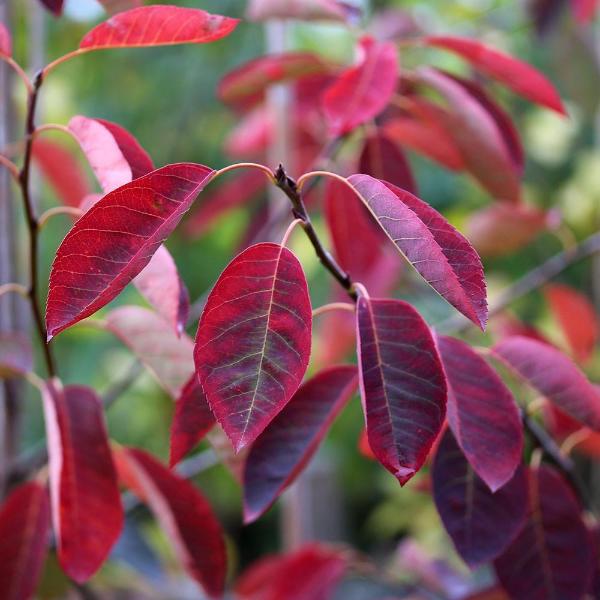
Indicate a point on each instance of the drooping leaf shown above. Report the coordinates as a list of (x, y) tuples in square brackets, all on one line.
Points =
[(253, 340), (481, 523), (309, 10), (552, 557), (54, 6), (402, 384), (5, 41), (192, 420), (184, 514), (16, 355), (116, 239), (482, 413), (87, 514), (554, 376), (24, 529), (442, 256), (522, 78), (283, 449), (158, 26), (115, 6), (361, 92)]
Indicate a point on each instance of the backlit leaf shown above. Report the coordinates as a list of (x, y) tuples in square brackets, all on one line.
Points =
[(16, 355), (5, 41)]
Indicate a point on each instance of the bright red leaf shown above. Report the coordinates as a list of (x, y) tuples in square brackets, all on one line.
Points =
[(253, 341), (5, 41), (16, 355), (115, 240), (332, 10), (284, 448)]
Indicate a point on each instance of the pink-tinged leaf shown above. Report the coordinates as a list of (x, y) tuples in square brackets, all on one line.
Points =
[(482, 413), (5, 41), (253, 341), (16, 355), (62, 171), (554, 376), (115, 6), (161, 285), (501, 229), (577, 318), (402, 384), (184, 514), (308, 10), (284, 448), (442, 256), (476, 134), (115, 240), (87, 514), (382, 159), (520, 77), (480, 523), (192, 420), (166, 355), (363, 91), (24, 529), (584, 10), (158, 26), (553, 556), (54, 6), (252, 134)]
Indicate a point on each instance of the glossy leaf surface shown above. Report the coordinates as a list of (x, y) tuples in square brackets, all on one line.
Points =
[(253, 341), (16, 355), (5, 41)]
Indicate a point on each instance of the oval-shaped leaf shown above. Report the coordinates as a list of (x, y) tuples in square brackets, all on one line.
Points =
[(158, 26), (5, 41), (24, 529), (402, 384), (442, 256), (284, 448), (87, 514), (482, 413), (184, 514), (554, 376), (115, 240), (480, 523), (553, 556), (253, 341), (16, 355)]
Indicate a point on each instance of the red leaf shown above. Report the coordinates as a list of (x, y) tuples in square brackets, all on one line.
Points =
[(554, 376), (577, 318), (192, 420), (284, 448), (363, 445), (116, 239), (86, 505), (115, 6), (402, 384), (363, 91), (522, 78), (333, 10), (584, 10), (482, 414), (54, 6), (552, 557), (252, 135), (5, 41), (16, 355), (158, 26), (185, 516), (480, 523), (442, 256), (253, 341), (24, 528)]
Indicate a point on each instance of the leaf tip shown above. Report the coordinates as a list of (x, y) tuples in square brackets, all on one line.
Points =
[(404, 474)]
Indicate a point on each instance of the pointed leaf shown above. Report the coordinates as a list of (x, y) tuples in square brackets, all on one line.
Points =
[(480, 523), (253, 341), (552, 557), (116, 239), (442, 256), (5, 41), (310, 10), (184, 514), (284, 448), (86, 505), (54, 6), (16, 355), (24, 529), (402, 384)]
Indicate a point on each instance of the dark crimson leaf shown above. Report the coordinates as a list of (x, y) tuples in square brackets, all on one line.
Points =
[(482, 413), (115, 240), (16, 355), (333, 10), (584, 10), (402, 384), (54, 6), (284, 448), (554, 376), (5, 41), (192, 420), (552, 557), (24, 529), (442, 256), (480, 523), (253, 341), (158, 26), (363, 91), (517, 75), (185, 516), (86, 505), (115, 6)]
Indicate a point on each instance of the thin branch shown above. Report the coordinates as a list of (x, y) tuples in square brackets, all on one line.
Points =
[(10, 165), (333, 306), (15, 288), (58, 210), (19, 71)]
